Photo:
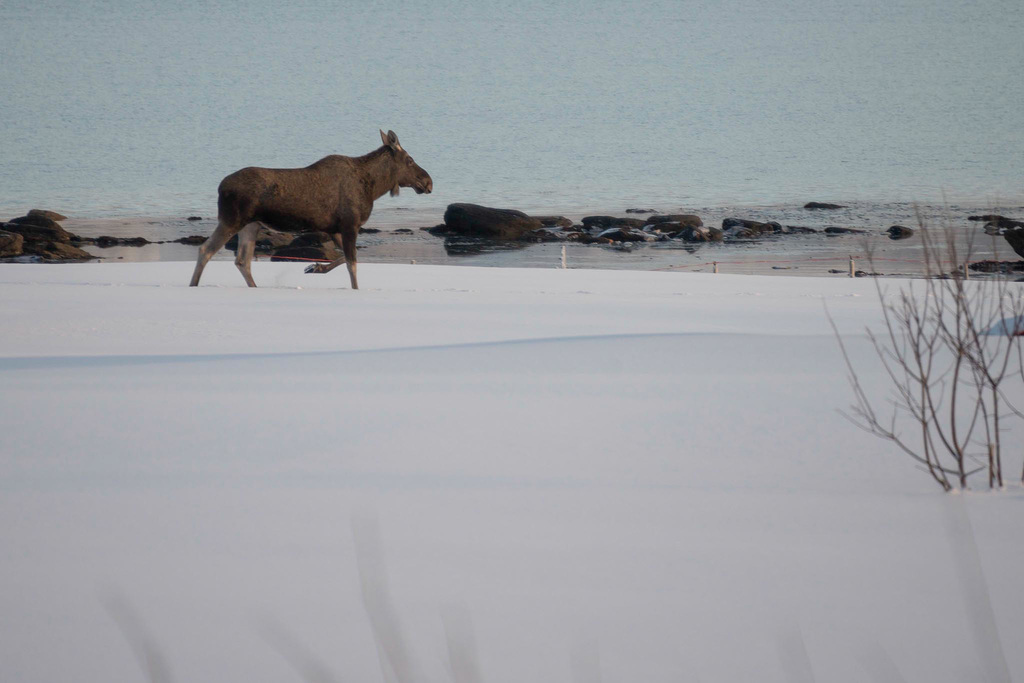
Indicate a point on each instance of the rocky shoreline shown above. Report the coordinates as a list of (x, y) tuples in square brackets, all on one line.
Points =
[(469, 228), (39, 237)]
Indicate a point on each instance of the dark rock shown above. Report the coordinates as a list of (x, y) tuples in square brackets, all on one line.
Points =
[(843, 231), (78, 239), (32, 231), (544, 235), (640, 211), (741, 228), (56, 251), (605, 222), (899, 232), (191, 239), (625, 234), (482, 221), (864, 273), (800, 230), (194, 218), (554, 221), (1015, 238), (997, 266), (461, 245), (52, 215), (587, 238), (311, 239), (11, 244), (700, 234), (823, 205), (438, 230), (684, 219), (368, 231), (267, 240), (106, 241), (36, 219), (999, 223), (403, 231)]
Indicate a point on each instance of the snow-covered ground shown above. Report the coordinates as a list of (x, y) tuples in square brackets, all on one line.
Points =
[(630, 476)]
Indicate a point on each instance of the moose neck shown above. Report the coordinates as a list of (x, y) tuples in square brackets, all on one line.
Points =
[(380, 172)]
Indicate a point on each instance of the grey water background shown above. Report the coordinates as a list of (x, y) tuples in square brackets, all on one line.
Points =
[(125, 108)]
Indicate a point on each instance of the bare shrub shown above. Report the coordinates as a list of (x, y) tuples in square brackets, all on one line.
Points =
[(949, 348)]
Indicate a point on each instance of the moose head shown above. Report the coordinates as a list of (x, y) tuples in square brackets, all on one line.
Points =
[(409, 173)]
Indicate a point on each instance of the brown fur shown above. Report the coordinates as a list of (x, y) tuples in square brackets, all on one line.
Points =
[(334, 195)]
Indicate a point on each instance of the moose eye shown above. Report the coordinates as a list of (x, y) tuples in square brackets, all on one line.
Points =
[(409, 161)]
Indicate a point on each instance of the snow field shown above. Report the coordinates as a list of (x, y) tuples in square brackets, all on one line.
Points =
[(639, 474)]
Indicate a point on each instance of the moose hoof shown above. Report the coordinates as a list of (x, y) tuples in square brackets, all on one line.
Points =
[(315, 268)]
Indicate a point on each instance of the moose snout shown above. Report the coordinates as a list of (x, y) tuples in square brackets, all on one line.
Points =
[(425, 187)]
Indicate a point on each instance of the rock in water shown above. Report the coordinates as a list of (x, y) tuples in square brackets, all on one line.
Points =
[(267, 239), (105, 241), (700, 234), (685, 219), (11, 244), (605, 222), (554, 221), (57, 251), (483, 221), (626, 234), (52, 215), (34, 228), (997, 221), (843, 231), (1015, 237), (823, 205), (742, 228), (899, 232)]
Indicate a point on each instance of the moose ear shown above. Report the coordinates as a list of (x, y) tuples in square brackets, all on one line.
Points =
[(391, 140)]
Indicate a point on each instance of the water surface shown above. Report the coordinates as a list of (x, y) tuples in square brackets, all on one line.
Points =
[(122, 108)]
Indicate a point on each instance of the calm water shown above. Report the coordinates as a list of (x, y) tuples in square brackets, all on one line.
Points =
[(131, 108)]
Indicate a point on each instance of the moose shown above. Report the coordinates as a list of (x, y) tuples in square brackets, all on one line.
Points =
[(334, 195)]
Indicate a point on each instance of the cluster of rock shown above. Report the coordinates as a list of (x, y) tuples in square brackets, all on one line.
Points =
[(38, 234), (1011, 230), (475, 221)]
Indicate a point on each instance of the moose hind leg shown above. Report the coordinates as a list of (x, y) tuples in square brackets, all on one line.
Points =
[(211, 246), (246, 249), (328, 267), (348, 246)]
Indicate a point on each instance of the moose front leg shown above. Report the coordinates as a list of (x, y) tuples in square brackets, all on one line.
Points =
[(348, 249)]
